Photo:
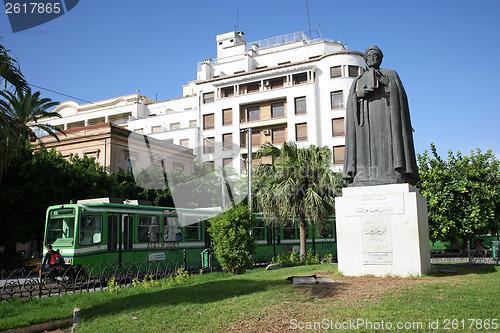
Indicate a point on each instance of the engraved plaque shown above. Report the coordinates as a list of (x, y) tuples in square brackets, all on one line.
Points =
[(377, 258), (376, 242), (390, 204)]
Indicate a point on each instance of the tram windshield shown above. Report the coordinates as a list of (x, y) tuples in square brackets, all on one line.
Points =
[(60, 227)]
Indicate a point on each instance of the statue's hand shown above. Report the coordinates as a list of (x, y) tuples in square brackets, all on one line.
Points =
[(363, 92)]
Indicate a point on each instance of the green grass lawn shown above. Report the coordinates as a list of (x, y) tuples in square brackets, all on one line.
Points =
[(263, 301)]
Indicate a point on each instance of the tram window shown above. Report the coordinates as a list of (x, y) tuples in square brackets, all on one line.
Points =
[(326, 231), (148, 229), (193, 231), (90, 229), (128, 232), (258, 231), (60, 227), (289, 231), (172, 231), (112, 232)]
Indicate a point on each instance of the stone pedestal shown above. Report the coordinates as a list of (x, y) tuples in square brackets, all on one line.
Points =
[(383, 231)]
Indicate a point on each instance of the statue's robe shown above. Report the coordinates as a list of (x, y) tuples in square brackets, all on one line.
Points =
[(379, 139)]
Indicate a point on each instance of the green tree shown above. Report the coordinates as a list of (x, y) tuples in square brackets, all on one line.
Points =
[(42, 180), (233, 243), (11, 148), (299, 184), (462, 194)]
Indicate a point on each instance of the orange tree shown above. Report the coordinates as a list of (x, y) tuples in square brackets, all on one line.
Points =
[(463, 194)]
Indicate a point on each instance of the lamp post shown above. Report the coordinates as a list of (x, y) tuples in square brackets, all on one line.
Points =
[(249, 167)]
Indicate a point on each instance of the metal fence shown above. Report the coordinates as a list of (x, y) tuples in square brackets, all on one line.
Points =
[(29, 283), (465, 256)]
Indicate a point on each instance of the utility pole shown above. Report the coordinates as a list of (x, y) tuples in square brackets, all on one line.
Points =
[(249, 167)]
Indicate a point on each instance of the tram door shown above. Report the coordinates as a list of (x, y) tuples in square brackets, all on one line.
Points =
[(120, 238), (127, 238), (113, 236)]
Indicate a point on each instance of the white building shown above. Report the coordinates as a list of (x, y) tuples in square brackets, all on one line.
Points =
[(285, 88)]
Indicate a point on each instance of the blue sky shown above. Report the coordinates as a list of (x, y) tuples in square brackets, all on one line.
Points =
[(443, 50)]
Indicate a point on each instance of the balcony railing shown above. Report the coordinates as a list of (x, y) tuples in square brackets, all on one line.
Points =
[(273, 116)]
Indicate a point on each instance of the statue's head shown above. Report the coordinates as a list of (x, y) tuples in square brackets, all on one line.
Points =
[(373, 56)]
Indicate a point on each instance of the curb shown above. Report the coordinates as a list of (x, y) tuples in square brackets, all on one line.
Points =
[(49, 326)]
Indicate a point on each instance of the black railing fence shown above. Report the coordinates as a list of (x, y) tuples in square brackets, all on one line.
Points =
[(31, 282)]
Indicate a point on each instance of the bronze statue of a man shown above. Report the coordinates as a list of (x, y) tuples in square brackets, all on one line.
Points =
[(379, 139)]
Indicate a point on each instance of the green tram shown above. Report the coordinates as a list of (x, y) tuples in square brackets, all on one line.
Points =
[(110, 231)]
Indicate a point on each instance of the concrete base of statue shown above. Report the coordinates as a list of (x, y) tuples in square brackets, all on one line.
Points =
[(382, 231)]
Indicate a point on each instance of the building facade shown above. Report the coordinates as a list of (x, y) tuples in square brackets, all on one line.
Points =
[(115, 147), (285, 88)]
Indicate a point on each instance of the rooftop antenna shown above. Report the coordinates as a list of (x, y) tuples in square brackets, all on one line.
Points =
[(237, 25), (308, 19)]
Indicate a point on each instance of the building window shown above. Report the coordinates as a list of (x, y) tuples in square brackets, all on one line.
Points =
[(300, 105), (276, 83), (279, 135), (255, 138), (227, 140), (208, 97), (227, 92), (353, 70), (338, 155), (192, 123), (178, 167), (243, 140), (253, 87), (335, 71), (227, 162), (139, 131), (171, 141), (338, 128), (208, 121), (278, 110), (253, 113), (300, 78), (256, 162), (337, 100), (184, 143), (175, 126), (227, 117), (208, 145), (301, 132)]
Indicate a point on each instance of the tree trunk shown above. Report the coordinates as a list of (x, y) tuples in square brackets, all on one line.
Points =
[(303, 237)]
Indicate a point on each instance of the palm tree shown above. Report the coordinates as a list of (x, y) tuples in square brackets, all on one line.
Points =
[(10, 72), (25, 109), (299, 184), (10, 77)]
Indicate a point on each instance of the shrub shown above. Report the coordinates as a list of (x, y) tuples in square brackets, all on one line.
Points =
[(293, 259), (113, 286), (233, 243)]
